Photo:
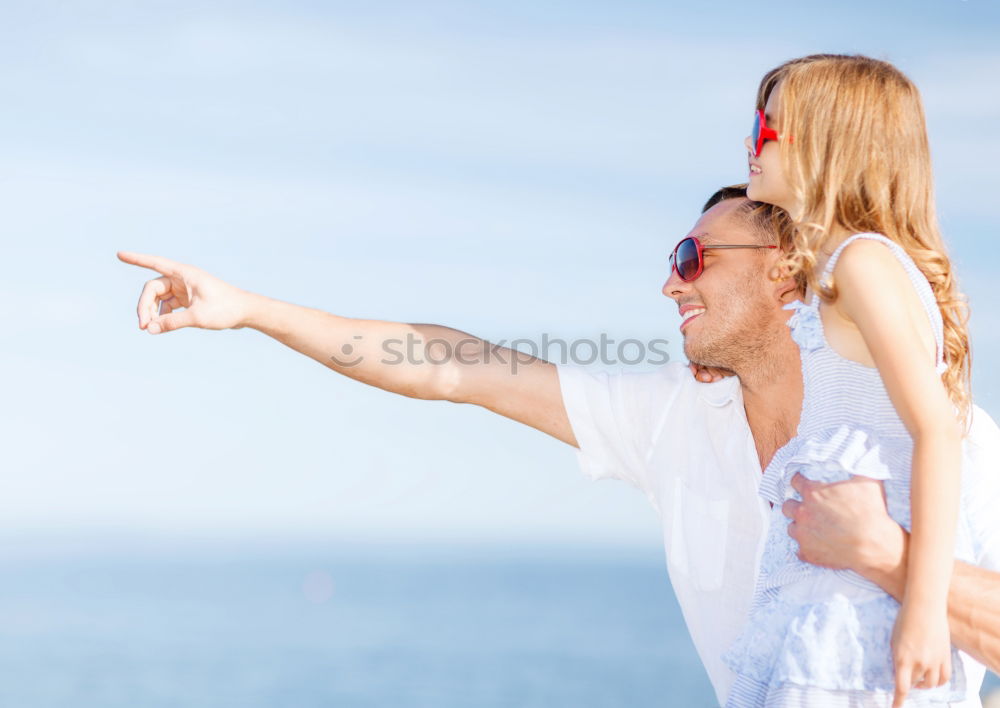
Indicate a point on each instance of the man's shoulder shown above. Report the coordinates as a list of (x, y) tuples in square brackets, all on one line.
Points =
[(672, 380), (981, 477), (983, 430), (679, 376), (982, 448)]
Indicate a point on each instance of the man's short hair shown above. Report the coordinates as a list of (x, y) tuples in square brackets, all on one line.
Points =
[(733, 191), (764, 220), (768, 223)]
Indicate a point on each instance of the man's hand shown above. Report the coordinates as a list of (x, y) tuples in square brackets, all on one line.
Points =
[(209, 302), (844, 525)]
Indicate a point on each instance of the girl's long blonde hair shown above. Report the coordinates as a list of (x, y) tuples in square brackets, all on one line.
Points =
[(855, 152)]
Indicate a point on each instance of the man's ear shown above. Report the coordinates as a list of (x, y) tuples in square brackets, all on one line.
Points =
[(786, 288)]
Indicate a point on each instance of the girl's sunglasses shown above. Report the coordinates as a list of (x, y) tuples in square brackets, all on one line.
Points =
[(687, 258), (760, 132)]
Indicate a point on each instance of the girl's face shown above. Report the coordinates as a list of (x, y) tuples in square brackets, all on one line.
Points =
[(767, 178)]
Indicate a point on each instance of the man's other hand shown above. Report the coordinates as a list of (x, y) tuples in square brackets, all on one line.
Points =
[(844, 524)]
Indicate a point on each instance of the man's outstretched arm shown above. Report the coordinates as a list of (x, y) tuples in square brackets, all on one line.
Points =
[(417, 360), (845, 525)]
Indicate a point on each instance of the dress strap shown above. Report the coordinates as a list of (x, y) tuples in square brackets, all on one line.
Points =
[(918, 280)]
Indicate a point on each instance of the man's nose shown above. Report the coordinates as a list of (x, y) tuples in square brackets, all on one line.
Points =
[(675, 287)]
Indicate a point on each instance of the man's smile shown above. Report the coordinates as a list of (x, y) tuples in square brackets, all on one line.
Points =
[(688, 313)]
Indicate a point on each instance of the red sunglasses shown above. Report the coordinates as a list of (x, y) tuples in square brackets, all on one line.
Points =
[(760, 132), (687, 258)]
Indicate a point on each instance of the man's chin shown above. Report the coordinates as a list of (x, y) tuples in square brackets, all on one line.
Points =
[(697, 353), (692, 351)]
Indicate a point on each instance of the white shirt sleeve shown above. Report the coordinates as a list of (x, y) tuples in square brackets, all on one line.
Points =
[(982, 450), (614, 415)]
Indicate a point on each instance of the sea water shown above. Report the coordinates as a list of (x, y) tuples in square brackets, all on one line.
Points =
[(343, 625)]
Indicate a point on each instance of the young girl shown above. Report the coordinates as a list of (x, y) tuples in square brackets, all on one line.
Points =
[(839, 143)]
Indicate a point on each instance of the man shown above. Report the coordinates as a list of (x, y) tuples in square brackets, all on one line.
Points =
[(696, 449)]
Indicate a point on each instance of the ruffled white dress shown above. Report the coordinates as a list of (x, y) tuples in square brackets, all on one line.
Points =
[(820, 637)]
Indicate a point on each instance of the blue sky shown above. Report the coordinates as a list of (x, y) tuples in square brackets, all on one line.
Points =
[(504, 168)]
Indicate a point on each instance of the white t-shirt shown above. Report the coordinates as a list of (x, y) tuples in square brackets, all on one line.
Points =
[(688, 447)]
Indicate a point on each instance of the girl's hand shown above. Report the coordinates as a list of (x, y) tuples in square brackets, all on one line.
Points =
[(708, 374), (210, 303), (921, 650)]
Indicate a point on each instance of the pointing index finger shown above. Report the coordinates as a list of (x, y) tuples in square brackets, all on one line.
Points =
[(157, 263)]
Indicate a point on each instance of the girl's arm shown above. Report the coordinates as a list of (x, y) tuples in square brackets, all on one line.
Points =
[(973, 597), (878, 299)]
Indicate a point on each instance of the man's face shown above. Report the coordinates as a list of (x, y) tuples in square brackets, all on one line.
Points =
[(732, 308)]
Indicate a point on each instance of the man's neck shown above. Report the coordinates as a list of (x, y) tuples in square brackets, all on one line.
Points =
[(772, 396)]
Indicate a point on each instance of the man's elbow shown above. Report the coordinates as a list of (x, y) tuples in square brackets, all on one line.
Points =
[(444, 382)]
